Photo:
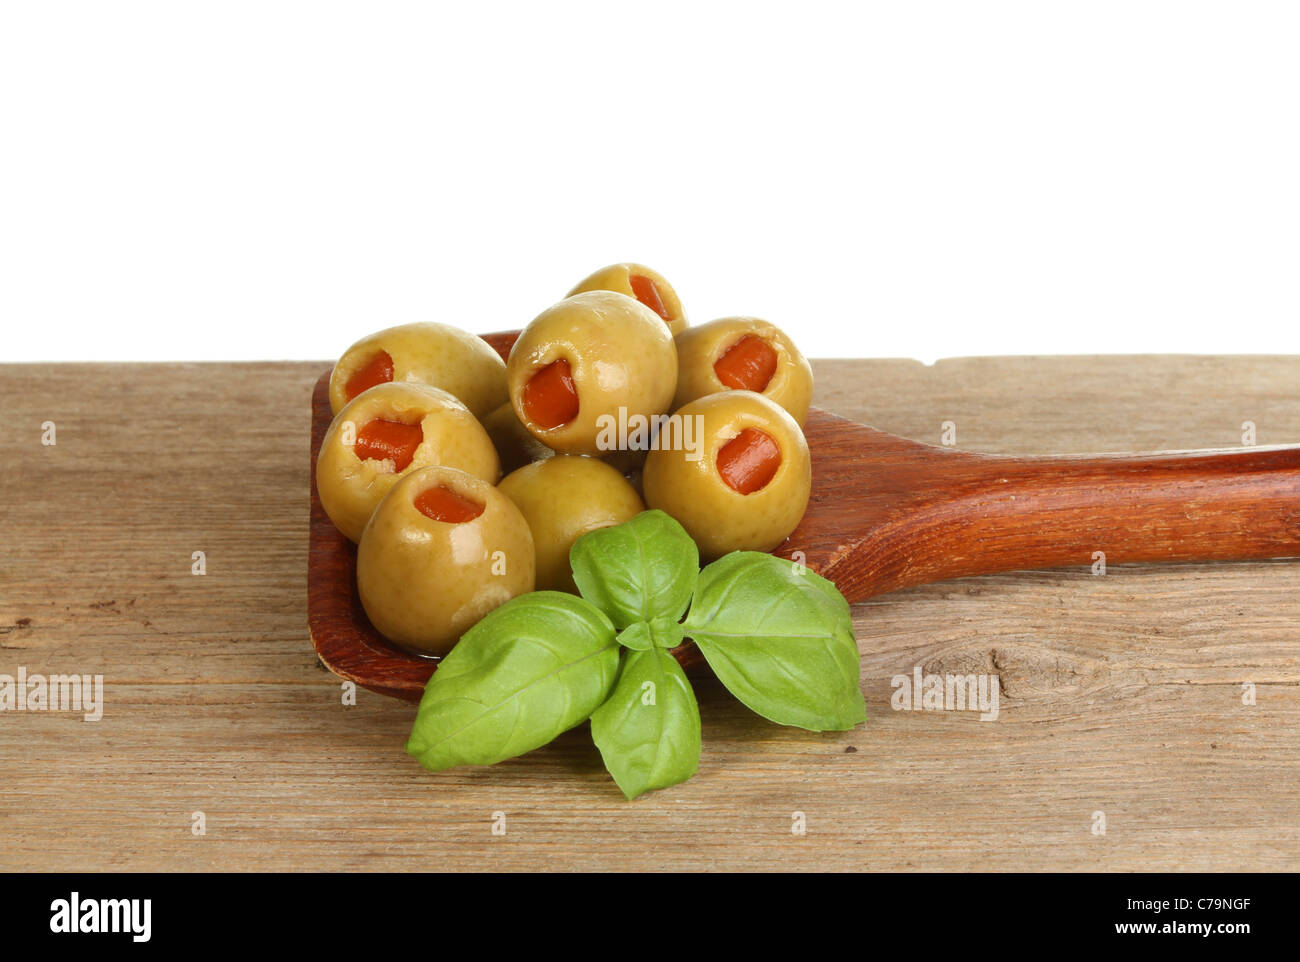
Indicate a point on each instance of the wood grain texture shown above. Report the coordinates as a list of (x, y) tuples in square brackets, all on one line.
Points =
[(1122, 693), (888, 513)]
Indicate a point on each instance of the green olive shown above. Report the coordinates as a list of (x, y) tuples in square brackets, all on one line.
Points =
[(442, 550), (640, 282), (563, 498), (388, 431), (515, 445), (587, 362), (743, 353), (748, 485), (437, 354)]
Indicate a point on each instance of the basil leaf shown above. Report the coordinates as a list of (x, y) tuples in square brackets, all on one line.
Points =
[(531, 669), (781, 639), (648, 731), (660, 633), (636, 636), (638, 570), (666, 632)]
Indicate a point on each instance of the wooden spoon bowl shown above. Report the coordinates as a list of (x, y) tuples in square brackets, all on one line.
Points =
[(888, 513)]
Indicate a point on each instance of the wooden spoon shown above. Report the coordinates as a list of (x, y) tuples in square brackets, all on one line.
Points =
[(888, 513)]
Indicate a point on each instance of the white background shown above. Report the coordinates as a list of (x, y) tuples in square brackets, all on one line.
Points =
[(274, 180)]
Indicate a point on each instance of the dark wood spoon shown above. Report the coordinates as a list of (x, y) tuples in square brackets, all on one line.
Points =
[(888, 513)]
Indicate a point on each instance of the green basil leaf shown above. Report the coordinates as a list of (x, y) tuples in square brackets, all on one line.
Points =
[(648, 731), (531, 669), (660, 633), (639, 570), (666, 632), (636, 636), (781, 639)]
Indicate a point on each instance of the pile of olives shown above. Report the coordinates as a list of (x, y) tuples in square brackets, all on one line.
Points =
[(609, 403)]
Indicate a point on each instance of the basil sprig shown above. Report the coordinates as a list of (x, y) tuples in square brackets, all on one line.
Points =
[(779, 637)]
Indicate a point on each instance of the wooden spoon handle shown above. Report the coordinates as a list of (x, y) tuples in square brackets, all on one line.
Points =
[(982, 514)]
